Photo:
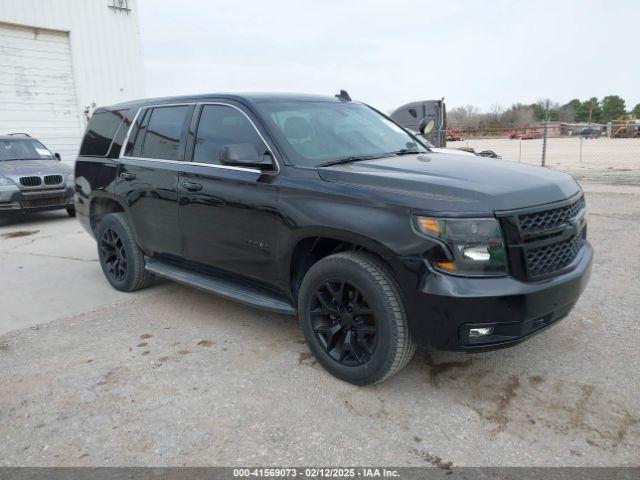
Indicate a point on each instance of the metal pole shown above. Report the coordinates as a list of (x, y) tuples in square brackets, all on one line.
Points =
[(544, 138), (580, 148), (520, 152)]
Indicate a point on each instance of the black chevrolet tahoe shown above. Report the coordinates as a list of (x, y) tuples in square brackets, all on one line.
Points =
[(324, 208)]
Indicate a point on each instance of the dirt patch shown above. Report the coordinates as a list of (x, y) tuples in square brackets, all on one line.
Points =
[(184, 352), (499, 414), (4, 346), (19, 234), (437, 369), (306, 358), (535, 380), (143, 344), (434, 460), (205, 343), (145, 336)]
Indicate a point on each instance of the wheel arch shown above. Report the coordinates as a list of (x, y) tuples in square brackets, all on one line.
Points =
[(313, 245), (102, 205)]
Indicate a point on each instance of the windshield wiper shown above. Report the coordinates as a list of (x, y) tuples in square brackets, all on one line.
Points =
[(351, 159), (406, 151)]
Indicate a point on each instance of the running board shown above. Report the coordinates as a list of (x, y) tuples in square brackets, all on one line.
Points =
[(224, 287)]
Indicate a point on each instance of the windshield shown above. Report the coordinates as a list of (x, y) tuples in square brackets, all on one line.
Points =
[(23, 149), (316, 133)]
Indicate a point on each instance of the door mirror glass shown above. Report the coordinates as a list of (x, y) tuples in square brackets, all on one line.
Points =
[(244, 154), (427, 124)]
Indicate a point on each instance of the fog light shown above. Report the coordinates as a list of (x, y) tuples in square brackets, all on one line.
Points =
[(480, 332)]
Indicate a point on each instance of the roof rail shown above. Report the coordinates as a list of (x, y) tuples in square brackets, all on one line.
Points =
[(20, 133)]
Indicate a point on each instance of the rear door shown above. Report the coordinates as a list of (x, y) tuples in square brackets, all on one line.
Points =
[(148, 176), (228, 215)]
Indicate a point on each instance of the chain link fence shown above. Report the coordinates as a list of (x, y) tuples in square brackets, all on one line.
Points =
[(569, 147)]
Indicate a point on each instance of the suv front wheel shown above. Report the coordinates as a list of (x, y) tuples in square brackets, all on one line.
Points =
[(120, 257), (354, 319)]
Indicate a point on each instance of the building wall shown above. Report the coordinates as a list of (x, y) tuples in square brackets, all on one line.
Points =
[(105, 45)]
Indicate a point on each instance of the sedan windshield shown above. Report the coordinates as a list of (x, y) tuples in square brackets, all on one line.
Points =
[(318, 133), (23, 149)]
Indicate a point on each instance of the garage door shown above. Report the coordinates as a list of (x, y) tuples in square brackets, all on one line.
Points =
[(37, 90)]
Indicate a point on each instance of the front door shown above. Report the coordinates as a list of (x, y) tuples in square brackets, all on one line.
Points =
[(228, 215), (148, 177)]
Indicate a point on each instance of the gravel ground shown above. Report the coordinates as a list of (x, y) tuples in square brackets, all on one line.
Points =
[(174, 376)]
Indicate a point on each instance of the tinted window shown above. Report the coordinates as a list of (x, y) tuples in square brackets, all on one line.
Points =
[(134, 146), (163, 132), (102, 128), (220, 125)]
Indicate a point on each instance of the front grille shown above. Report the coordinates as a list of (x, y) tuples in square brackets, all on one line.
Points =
[(30, 181), (53, 179), (545, 243), (534, 222), (44, 202), (543, 261)]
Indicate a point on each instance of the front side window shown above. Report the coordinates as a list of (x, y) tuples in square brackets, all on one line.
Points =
[(24, 149), (222, 125), (316, 132), (159, 135)]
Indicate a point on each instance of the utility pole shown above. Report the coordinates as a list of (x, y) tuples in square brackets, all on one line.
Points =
[(544, 137)]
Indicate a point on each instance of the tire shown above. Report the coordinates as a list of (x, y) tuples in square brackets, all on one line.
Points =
[(71, 211), (330, 286), (120, 257)]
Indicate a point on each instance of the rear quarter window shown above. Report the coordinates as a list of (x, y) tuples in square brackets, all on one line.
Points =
[(101, 131)]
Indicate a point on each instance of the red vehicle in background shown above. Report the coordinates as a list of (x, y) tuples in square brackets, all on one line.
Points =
[(454, 135), (528, 134)]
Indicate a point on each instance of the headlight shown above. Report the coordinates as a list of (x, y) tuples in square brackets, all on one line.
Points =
[(70, 179), (6, 181), (469, 246)]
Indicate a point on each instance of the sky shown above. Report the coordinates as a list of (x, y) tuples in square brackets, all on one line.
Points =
[(390, 52)]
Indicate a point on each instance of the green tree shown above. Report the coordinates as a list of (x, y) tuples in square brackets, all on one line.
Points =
[(612, 107), (589, 111), (538, 111), (636, 111)]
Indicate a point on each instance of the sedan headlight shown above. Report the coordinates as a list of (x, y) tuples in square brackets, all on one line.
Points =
[(469, 246), (4, 181)]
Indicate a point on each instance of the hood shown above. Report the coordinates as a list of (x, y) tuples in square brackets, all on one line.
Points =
[(22, 168), (457, 183)]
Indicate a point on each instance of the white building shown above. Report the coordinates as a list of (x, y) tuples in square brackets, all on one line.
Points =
[(61, 58)]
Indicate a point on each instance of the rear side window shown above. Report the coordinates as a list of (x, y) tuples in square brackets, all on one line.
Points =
[(100, 133), (161, 137)]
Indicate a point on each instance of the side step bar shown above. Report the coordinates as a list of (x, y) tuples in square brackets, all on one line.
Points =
[(225, 287)]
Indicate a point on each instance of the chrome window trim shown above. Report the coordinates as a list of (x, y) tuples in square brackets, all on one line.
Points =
[(181, 162), (184, 162)]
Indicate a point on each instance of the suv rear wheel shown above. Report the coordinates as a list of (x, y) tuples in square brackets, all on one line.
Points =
[(353, 318), (120, 257)]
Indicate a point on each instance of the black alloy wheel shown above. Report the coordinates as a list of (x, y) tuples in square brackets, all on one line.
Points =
[(114, 254), (344, 323), (121, 259)]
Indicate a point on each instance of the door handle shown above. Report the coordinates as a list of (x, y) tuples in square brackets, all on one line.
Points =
[(191, 186), (127, 176)]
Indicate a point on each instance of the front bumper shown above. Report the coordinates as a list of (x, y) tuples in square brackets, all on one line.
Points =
[(12, 199), (447, 307)]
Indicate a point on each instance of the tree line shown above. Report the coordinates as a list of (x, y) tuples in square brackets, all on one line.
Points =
[(519, 115)]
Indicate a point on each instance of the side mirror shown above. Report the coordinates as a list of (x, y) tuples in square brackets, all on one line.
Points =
[(57, 155), (427, 124), (244, 155)]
